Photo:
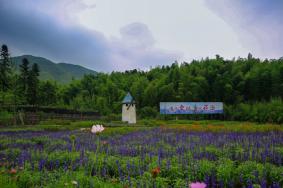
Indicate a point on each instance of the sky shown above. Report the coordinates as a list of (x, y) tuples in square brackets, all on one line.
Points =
[(118, 35)]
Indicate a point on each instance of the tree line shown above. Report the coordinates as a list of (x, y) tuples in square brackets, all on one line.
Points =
[(250, 88), (19, 88)]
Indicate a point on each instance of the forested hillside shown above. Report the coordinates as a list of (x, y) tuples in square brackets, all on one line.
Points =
[(251, 89), (60, 72)]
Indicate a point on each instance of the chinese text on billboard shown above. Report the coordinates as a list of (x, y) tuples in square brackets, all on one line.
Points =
[(191, 107)]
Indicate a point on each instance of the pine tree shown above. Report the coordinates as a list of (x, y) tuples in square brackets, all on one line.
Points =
[(5, 70), (23, 80), (47, 93), (33, 83)]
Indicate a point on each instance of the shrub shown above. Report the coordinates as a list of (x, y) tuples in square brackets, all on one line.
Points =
[(112, 117), (261, 112), (148, 112), (5, 118)]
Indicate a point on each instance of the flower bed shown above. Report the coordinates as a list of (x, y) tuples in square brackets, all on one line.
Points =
[(151, 157)]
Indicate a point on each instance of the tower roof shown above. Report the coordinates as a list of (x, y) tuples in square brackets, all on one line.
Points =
[(128, 99)]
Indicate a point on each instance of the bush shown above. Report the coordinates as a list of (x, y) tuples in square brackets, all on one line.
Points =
[(148, 112), (262, 112), (112, 117), (5, 118)]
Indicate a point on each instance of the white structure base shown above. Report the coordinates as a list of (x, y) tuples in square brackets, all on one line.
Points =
[(129, 113)]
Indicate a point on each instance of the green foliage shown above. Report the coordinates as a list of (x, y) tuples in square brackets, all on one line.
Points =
[(206, 168), (33, 82), (23, 80), (225, 170), (251, 89), (27, 83), (181, 170), (238, 83), (5, 71), (148, 112), (213, 150), (27, 179), (5, 117), (248, 169), (55, 122), (47, 93), (7, 182), (111, 117), (148, 122), (259, 112)]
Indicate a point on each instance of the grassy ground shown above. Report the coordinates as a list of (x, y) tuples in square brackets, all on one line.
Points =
[(190, 125)]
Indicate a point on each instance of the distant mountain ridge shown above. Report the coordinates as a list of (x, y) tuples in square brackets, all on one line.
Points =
[(60, 72)]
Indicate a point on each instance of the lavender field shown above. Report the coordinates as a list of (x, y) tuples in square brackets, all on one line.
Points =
[(141, 157)]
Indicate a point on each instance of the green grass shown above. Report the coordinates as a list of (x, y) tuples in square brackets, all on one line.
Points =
[(203, 125)]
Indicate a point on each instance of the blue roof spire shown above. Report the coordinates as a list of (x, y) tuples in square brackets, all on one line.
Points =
[(128, 99)]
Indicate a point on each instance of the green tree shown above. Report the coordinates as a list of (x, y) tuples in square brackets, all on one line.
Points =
[(33, 82), (5, 70), (70, 92), (47, 93), (24, 80)]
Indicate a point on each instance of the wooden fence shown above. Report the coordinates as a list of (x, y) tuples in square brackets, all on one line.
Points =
[(33, 114)]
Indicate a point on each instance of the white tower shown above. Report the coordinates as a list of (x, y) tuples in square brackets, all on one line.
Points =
[(129, 109)]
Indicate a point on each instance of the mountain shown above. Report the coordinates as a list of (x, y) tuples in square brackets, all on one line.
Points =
[(60, 72)]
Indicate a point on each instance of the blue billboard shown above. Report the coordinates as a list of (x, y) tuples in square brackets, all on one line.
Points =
[(191, 107)]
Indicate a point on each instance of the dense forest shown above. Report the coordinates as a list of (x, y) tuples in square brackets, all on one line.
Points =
[(251, 89)]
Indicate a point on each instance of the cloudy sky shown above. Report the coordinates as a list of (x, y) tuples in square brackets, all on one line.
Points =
[(107, 35)]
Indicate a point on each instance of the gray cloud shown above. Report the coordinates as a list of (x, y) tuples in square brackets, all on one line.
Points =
[(29, 30), (137, 35), (137, 45), (259, 24)]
